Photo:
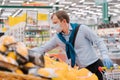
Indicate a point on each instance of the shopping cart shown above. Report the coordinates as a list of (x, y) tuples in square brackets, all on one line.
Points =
[(110, 74)]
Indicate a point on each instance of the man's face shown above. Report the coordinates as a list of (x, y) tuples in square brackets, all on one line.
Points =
[(62, 23), (55, 20)]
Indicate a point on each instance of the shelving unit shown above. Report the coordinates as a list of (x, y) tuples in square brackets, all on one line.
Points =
[(111, 37), (34, 34), (17, 31), (36, 37)]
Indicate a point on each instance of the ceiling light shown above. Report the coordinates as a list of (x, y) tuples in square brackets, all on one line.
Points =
[(0, 9), (80, 6), (6, 14), (3, 2), (16, 1), (74, 9), (91, 12), (68, 13), (30, 0), (57, 1), (81, 1), (113, 3), (66, 7), (100, 14), (113, 9), (99, 6), (51, 13), (17, 12), (61, 9), (89, 17), (87, 7), (73, 4), (118, 5), (27, 2), (114, 14), (51, 4), (78, 13), (94, 13), (89, 3), (44, 2), (80, 10), (109, 0), (92, 8), (98, 10), (86, 11), (65, 2), (58, 5), (117, 11), (108, 7)]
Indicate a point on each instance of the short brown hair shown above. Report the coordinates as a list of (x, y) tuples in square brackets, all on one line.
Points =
[(61, 15)]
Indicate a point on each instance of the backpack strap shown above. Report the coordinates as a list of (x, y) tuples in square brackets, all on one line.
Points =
[(76, 30)]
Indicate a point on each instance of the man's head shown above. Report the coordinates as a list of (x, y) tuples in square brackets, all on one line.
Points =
[(61, 18)]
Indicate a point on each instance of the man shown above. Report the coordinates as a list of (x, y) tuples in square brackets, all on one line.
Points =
[(82, 52)]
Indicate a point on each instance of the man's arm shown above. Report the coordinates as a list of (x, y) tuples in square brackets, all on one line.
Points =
[(36, 54), (90, 35), (94, 38), (47, 46)]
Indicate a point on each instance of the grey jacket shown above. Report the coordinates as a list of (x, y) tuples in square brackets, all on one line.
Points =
[(85, 52)]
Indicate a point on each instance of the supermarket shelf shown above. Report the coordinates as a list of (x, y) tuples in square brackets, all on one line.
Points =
[(44, 7), (31, 25), (30, 36), (34, 34), (37, 30)]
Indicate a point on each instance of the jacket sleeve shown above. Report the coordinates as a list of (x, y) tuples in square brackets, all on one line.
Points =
[(52, 43), (94, 38)]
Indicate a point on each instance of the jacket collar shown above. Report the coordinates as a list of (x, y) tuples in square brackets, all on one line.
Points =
[(70, 29)]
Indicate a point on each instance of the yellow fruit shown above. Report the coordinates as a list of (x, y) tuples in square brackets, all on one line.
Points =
[(84, 74), (29, 64), (43, 72), (2, 48), (12, 55), (93, 77), (7, 40), (10, 60), (18, 71), (1, 57), (22, 49), (64, 72)]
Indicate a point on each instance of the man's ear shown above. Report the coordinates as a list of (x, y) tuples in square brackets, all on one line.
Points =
[(64, 21)]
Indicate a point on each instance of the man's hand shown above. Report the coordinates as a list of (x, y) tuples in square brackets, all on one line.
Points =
[(37, 58), (107, 61)]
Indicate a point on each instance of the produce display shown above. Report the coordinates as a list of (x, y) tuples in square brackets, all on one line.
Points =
[(14, 57), (61, 71)]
